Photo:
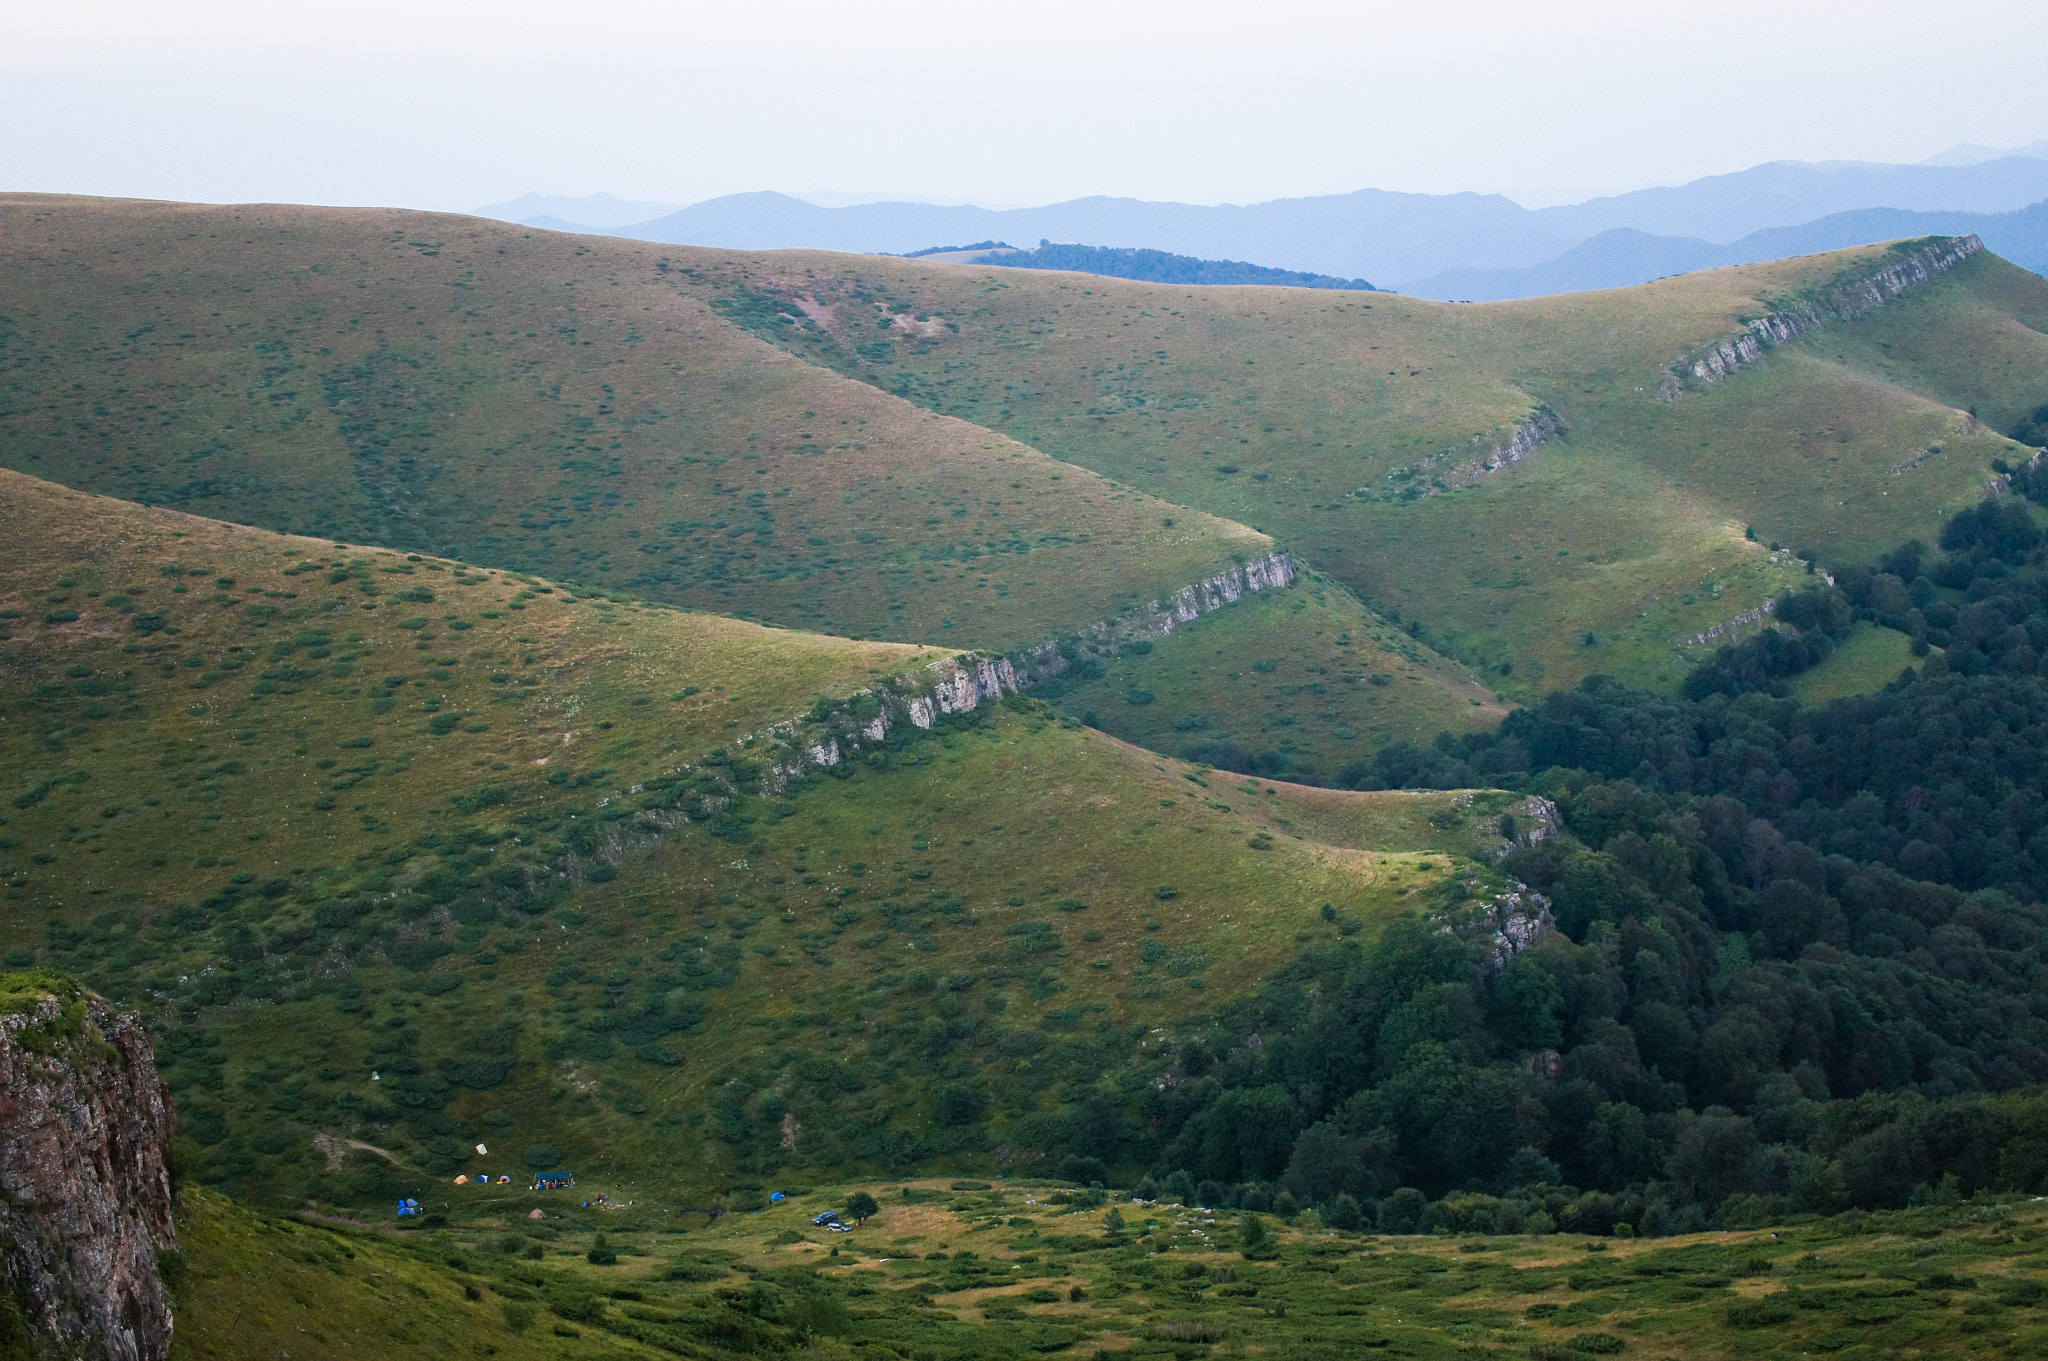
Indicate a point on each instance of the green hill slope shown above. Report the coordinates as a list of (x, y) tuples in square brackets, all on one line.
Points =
[(1294, 684), (1022, 1269), (1359, 428), (569, 406), (191, 700), (556, 404), (544, 873)]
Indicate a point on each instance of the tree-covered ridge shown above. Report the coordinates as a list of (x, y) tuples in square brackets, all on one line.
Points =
[(1938, 777), (1798, 951), (1160, 267)]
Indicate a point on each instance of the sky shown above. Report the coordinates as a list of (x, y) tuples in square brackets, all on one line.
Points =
[(451, 104)]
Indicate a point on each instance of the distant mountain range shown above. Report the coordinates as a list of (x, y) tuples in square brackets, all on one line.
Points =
[(606, 214), (1969, 153), (1624, 256), (1436, 245)]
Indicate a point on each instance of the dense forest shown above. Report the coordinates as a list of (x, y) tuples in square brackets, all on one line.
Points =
[(1797, 966), (1161, 267)]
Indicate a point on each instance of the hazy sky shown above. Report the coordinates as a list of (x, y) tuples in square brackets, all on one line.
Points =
[(454, 103)]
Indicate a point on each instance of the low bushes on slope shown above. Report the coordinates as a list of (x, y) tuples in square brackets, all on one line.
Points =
[(580, 917)]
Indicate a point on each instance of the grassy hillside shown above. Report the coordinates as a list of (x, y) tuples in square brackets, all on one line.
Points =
[(607, 411), (1870, 658), (189, 701), (1348, 427), (507, 871), (550, 403), (1298, 683), (1012, 910), (1029, 1268)]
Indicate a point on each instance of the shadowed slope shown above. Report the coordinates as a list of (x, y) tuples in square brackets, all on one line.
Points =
[(342, 819)]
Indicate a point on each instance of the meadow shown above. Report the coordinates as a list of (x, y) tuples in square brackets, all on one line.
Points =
[(1024, 1268)]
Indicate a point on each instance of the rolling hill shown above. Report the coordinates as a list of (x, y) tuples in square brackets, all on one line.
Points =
[(568, 408), (1622, 256), (450, 385), (1068, 425), (1541, 489), (405, 856)]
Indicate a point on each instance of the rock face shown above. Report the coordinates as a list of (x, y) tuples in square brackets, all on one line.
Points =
[(1502, 926), (85, 1200), (957, 684), (1477, 458), (1273, 572), (1857, 298), (837, 731), (1496, 451)]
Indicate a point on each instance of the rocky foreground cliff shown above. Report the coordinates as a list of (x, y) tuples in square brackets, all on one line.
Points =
[(85, 1195)]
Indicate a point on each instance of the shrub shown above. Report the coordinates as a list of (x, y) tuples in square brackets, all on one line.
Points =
[(1759, 1313), (490, 796), (818, 1313)]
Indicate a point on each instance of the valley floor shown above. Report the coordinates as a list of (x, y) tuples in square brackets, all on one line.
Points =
[(1022, 1268)]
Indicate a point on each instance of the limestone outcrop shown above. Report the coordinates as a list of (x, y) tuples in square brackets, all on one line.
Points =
[(775, 757), (1477, 458), (1501, 926), (1275, 571), (1846, 302), (964, 682), (1494, 452), (85, 1197)]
